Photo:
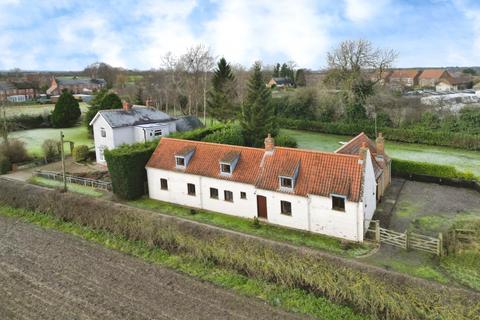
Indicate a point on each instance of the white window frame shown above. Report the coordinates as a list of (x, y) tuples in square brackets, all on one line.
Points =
[(341, 197), (103, 132)]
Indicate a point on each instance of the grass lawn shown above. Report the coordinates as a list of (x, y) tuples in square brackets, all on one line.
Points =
[(70, 186), (294, 300), (35, 109), (34, 138), (463, 160), (295, 237)]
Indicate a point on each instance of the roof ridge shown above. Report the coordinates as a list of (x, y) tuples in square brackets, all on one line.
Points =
[(263, 150), (352, 140)]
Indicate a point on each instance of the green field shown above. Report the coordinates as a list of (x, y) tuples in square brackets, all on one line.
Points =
[(35, 137), (463, 160), (35, 109)]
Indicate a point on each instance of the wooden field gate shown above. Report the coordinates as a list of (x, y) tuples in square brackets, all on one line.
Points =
[(407, 240)]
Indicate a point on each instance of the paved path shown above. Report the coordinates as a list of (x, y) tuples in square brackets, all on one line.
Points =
[(46, 274)]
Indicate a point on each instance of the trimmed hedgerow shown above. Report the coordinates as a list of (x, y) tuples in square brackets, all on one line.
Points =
[(378, 293), (197, 134), (283, 140), (228, 135), (400, 167), (126, 165), (408, 135)]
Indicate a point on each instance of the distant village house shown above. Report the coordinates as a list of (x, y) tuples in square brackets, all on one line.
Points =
[(75, 84), (279, 83), (17, 91)]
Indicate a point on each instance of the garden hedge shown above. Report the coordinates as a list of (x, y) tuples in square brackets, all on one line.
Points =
[(126, 165), (197, 134), (408, 135), (407, 167), (376, 292)]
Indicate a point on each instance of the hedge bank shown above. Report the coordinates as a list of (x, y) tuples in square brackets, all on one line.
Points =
[(407, 135), (408, 167), (373, 291)]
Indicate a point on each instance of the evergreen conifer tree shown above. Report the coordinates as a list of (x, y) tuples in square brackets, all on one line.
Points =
[(102, 101), (66, 112), (221, 99), (139, 97), (258, 113)]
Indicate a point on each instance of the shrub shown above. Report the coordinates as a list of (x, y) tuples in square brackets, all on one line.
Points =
[(66, 112), (28, 121), (197, 134), (51, 148), (15, 151), (126, 165), (229, 135), (285, 141), (5, 164), (80, 152), (429, 169)]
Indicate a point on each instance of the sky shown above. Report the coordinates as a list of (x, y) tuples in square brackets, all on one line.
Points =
[(70, 34)]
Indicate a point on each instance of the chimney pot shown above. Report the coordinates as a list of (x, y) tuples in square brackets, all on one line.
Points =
[(127, 106), (380, 145), (269, 143)]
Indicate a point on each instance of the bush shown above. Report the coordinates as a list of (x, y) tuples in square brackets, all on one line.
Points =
[(197, 134), (51, 148), (400, 167), (66, 112), (28, 121), (80, 152), (5, 164), (15, 151), (285, 141), (126, 165), (229, 135)]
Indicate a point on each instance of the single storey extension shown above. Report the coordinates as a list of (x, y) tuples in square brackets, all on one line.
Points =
[(322, 192)]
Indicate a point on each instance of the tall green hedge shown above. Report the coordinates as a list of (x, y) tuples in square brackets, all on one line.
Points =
[(197, 134), (126, 165), (424, 168), (408, 135)]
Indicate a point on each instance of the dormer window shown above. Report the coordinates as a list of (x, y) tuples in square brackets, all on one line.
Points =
[(229, 162), (286, 182), (180, 161), (183, 157), (226, 168)]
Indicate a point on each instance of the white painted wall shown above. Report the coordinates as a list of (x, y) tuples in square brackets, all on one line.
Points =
[(116, 137), (313, 213), (369, 192)]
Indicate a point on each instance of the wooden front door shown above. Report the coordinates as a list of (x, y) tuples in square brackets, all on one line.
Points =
[(262, 207)]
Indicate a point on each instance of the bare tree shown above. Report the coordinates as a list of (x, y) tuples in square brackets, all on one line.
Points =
[(197, 61), (359, 56)]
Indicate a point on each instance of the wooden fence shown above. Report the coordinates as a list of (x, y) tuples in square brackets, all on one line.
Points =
[(97, 184), (407, 240), (461, 237)]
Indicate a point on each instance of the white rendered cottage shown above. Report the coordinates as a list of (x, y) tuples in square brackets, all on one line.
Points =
[(132, 124), (322, 192)]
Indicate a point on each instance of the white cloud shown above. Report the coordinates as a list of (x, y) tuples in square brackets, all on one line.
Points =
[(359, 11), (247, 30), (471, 11)]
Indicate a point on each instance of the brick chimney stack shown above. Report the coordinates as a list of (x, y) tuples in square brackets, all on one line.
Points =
[(126, 106), (269, 143), (363, 153), (380, 143)]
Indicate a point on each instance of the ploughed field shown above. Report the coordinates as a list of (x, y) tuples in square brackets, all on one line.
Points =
[(463, 160), (45, 274)]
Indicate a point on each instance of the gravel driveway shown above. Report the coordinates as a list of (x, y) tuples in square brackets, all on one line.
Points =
[(46, 274)]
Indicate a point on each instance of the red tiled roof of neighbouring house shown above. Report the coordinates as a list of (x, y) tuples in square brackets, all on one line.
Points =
[(432, 73), (354, 145), (404, 74), (319, 173)]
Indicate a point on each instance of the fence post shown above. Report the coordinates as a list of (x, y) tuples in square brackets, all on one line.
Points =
[(407, 239), (377, 231), (440, 244)]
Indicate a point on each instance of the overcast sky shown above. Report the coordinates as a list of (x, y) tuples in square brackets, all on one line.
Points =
[(70, 34)]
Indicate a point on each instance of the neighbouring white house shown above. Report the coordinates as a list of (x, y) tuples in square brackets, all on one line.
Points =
[(132, 124), (322, 192)]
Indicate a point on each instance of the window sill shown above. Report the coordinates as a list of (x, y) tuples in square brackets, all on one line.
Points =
[(338, 209)]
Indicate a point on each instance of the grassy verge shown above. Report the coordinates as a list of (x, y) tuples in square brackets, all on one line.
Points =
[(294, 300), (295, 237), (70, 186)]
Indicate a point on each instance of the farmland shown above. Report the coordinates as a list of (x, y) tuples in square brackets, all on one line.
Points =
[(463, 160)]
